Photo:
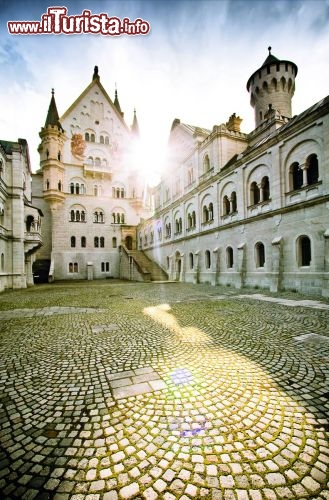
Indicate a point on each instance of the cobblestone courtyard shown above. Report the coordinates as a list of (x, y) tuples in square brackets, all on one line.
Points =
[(113, 390)]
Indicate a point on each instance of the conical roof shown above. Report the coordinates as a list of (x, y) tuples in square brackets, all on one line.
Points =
[(52, 115)]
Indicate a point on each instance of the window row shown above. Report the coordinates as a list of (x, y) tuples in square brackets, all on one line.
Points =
[(300, 175), (99, 242), (96, 162), (74, 267), (303, 254), (91, 137), (79, 188), (98, 217)]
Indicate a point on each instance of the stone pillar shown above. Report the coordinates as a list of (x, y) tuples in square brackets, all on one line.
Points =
[(182, 269), (325, 286), (276, 264), (261, 192), (28, 270), (304, 169), (241, 265), (197, 267), (216, 266)]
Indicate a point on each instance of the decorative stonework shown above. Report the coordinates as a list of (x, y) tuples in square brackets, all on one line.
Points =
[(78, 145)]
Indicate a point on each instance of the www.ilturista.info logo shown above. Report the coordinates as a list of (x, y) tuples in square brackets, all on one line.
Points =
[(57, 22)]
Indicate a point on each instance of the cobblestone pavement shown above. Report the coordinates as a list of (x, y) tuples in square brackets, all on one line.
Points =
[(114, 390)]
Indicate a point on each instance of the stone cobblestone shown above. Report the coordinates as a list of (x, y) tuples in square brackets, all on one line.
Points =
[(179, 392)]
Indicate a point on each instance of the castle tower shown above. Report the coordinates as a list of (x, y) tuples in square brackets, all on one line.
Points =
[(271, 88), (51, 154)]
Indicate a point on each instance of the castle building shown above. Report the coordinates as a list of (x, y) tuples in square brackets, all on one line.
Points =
[(88, 186), (247, 210), (20, 221)]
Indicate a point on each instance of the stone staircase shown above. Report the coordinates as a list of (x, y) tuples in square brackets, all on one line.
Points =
[(156, 273)]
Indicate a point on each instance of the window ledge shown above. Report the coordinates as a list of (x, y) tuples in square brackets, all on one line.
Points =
[(303, 188)]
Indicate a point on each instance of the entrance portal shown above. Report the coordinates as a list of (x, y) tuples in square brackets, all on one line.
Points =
[(129, 242)]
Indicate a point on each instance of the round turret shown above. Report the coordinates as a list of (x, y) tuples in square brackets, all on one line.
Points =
[(271, 88)]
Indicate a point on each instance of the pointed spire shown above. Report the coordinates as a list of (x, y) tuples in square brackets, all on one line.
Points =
[(135, 127), (52, 115), (270, 58), (116, 101), (95, 75)]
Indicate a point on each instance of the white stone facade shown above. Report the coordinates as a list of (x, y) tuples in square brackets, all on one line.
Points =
[(248, 210), (20, 222), (88, 187)]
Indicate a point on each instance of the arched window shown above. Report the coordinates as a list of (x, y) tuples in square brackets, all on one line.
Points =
[(90, 160), (83, 216), (59, 185), (193, 219), (122, 218), (87, 137), (101, 139), (229, 257), (96, 242), (77, 188), (75, 267), (72, 215), (114, 242), (304, 254), (189, 221), (106, 140), (233, 201), (207, 259), (72, 241), (191, 260), (97, 162), (77, 215), (72, 188), (122, 193), (260, 254), (254, 193), (266, 188), (206, 164), (312, 169), (29, 223), (168, 262), (92, 137), (2, 262), (211, 212), (101, 242), (83, 241), (226, 205), (71, 267), (296, 176)]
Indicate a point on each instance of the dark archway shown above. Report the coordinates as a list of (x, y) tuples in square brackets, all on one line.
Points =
[(129, 242)]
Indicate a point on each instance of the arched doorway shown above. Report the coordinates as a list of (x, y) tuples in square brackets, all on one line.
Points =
[(129, 242), (178, 266)]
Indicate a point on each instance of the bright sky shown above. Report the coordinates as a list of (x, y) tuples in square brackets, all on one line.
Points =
[(193, 65)]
